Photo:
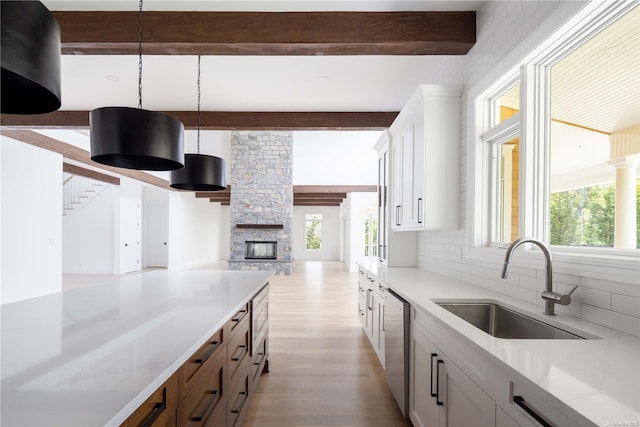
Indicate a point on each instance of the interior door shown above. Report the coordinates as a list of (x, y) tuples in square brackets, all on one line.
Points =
[(130, 251), (156, 234)]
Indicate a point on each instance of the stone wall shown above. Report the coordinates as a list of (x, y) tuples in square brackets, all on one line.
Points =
[(261, 193)]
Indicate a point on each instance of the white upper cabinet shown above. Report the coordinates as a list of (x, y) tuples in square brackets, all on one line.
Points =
[(425, 140)]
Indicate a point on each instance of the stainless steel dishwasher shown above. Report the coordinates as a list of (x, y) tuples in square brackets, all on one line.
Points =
[(396, 354)]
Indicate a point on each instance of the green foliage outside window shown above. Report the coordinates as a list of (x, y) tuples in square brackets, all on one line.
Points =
[(314, 232), (585, 216)]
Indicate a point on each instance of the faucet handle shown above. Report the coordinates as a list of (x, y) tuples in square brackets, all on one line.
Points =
[(559, 298)]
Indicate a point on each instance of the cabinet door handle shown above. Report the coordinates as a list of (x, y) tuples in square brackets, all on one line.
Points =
[(240, 395), (438, 402), (519, 400), (420, 203), (214, 346), (158, 409), (207, 407), (239, 316), (239, 352), (433, 355), (398, 214)]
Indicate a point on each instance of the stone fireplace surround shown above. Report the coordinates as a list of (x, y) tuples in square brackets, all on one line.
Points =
[(261, 204)]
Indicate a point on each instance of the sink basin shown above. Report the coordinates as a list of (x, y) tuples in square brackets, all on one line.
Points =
[(502, 322)]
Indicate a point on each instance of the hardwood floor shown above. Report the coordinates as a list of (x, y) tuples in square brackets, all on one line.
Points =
[(323, 370)]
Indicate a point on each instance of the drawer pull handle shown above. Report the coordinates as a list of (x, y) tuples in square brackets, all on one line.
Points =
[(438, 402), (214, 346), (260, 361), (239, 316), (240, 395), (207, 408), (519, 400), (433, 355), (158, 409), (242, 349)]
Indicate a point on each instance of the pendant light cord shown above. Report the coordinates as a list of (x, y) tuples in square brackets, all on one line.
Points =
[(198, 104), (140, 56)]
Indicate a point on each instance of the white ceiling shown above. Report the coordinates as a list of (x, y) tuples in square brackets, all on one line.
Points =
[(250, 83)]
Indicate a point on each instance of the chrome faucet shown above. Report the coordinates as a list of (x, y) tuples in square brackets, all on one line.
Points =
[(550, 298)]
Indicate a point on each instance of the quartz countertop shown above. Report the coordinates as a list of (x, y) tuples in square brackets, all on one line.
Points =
[(598, 378), (91, 356)]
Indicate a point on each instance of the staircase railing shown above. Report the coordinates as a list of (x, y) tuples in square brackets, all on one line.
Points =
[(78, 191)]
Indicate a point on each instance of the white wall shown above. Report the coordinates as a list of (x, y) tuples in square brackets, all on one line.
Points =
[(88, 235), (31, 221), (195, 233), (335, 157), (330, 250)]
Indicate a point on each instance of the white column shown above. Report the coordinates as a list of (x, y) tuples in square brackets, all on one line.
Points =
[(625, 220), (625, 156)]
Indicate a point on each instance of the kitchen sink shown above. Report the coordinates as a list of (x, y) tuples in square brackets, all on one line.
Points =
[(502, 322)]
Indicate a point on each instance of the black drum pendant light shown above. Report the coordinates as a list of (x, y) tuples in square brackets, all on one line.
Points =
[(134, 138), (30, 58), (201, 172)]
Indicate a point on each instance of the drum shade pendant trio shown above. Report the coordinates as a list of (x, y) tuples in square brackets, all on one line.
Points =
[(134, 138), (30, 58), (201, 172)]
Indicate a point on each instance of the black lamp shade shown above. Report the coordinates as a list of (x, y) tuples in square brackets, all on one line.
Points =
[(30, 58), (133, 138), (200, 173)]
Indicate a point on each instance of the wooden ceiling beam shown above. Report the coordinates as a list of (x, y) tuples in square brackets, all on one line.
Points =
[(90, 173), (335, 189), (77, 154), (267, 33), (311, 196), (316, 203), (221, 120)]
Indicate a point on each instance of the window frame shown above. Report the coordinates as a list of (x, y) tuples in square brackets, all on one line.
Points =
[(533, 71)]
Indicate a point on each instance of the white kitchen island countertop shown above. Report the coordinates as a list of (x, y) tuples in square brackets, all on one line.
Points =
[(91, 356), (597, 378)]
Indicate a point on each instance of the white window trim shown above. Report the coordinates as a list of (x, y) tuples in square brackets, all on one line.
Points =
[(608, 264)]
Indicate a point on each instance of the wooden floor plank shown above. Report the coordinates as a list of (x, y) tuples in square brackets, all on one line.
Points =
[(323, 369)]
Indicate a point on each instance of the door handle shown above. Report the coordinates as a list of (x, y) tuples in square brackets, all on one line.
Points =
[(433, 355)]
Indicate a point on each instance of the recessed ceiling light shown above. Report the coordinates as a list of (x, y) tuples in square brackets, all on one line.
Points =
[(323, 79), (113, 77)]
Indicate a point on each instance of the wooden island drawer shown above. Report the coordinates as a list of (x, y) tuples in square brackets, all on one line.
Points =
[(189, 371), (237, 399), (206, 397), (238, 351), (237, 320)]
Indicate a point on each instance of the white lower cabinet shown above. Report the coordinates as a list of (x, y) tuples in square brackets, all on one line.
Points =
[(371, 311), (452, 383), (440, 393)]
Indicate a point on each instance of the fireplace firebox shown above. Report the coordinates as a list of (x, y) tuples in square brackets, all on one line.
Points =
[(260, 250)]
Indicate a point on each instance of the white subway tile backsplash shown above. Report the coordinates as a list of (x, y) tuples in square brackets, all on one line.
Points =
[(625, 305), (566, 278), (611, 319), (512, 279), (592, 297), (532, 283), (574, 309), (629, 289), (482, 272), (522, 294)]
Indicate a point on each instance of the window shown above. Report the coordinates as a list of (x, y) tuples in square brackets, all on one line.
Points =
[(313, 227), (550, 161), (371, 232)]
